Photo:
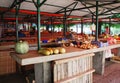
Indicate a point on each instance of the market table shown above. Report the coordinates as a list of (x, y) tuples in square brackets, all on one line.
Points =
[(40, 61)]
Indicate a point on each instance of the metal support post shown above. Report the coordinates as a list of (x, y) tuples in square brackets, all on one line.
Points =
[(109, 24), (52, 29), (81, 25), (38, 23), (92, 19), (96, 32), (92, 23), (64, 24), (17, 11), (38, 5)]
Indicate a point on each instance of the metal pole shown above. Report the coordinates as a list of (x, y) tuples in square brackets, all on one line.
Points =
[(92, 19), (38, 24), (109, 24), (92, 23), (96, 33), (64, 24), (52, 29), (17, 9)]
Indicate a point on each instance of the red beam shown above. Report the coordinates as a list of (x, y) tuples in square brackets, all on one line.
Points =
[(12, 18), (42, 13), (68, 22)]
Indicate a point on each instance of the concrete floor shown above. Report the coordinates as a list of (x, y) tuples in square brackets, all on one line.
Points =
[(111, 75)]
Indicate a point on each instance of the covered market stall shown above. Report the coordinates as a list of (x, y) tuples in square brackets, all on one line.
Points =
[(81, 55)]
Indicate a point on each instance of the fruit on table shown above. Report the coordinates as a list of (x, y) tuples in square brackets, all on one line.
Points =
[(50, 49), (62, 50), (88, 46), (22, 47), (111, 40), (46, 52), (55, 51)]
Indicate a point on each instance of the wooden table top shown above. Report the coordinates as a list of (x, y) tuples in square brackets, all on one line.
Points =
[(33, 57)]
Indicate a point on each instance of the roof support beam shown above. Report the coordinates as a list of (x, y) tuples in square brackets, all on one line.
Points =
[(73, 8), (40, 4), (66, 7), (9, 7), (100, 6), (87, 8), (48, 4), (109, 10), (103, 14), (90, 6), (16, 2)]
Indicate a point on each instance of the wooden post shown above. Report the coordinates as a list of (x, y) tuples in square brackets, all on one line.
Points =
[(43, 73), (99, 62)]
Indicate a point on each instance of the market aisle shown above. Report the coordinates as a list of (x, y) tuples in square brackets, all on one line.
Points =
[(111, 75)]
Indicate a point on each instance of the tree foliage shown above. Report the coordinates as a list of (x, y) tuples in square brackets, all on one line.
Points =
[(115, 16)]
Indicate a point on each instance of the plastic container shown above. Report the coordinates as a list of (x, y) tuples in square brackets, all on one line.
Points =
[(45, 41)]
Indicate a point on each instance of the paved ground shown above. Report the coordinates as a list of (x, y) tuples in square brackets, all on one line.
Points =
[(111, 75)]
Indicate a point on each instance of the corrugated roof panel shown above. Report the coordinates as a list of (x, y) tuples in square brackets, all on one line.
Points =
[(6, 3), (28, 6), (63, 3), (51, 9), (54, 6), (79, 13)]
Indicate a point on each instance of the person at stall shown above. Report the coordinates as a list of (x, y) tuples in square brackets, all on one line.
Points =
[(72, 36), (21, 34), (32, 32)]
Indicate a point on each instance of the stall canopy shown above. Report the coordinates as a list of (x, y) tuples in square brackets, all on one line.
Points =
[(57, 8)]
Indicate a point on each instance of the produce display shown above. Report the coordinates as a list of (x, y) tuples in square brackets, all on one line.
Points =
[(22, 47), (51, 51), (81, 41), (111, 39), (88, 46)]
